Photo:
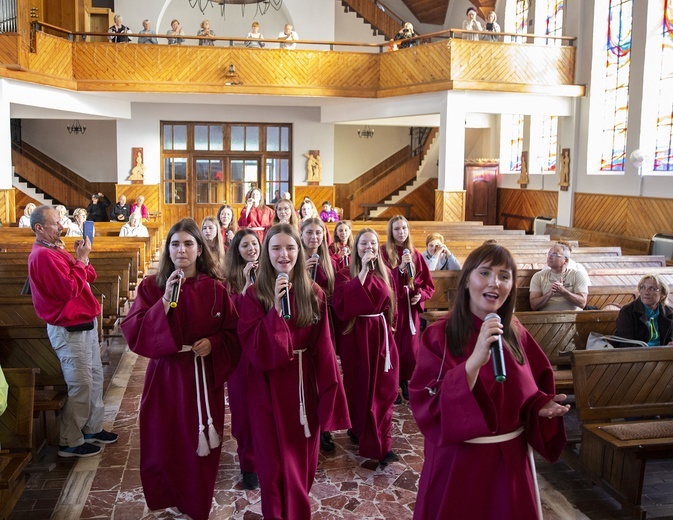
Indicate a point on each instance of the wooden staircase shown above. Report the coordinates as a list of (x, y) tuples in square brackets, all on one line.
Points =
[(380, 21)]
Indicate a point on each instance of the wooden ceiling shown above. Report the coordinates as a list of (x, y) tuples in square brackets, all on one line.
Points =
[(434, 11)]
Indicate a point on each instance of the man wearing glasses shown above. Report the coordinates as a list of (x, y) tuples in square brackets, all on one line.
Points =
[(559, 288)]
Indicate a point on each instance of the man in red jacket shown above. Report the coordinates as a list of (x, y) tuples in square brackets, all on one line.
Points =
[(62, 297)]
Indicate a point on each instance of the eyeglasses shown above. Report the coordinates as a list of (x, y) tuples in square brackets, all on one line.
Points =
[(556, 255), (647, 289)]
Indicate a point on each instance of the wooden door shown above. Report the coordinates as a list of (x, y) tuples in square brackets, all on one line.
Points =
[(481, 192), (99, 22)]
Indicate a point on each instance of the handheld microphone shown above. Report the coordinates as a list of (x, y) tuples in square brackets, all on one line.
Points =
[(497, 354), (314, 270), (371, 262), (175, 292), (285, 299), (410, 268), (252, 275), (347, 257)]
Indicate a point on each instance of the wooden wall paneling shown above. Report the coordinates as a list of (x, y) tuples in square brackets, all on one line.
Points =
[(428, 11), (8, 206), (151, 192), (54, 57), (527, 203), (376, 17), (20, 202), (317, 194), (9, 50), (630, 216), (409, 69), (420, 208), (450, 206)]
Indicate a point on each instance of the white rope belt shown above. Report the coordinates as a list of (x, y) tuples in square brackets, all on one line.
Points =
[(303, 420), (494, 439), (388, 364), (213, 441), (412, 327), (257, 228)]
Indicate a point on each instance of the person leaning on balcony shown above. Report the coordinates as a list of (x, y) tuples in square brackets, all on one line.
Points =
[(407, 31), (206, 34), (255, 35), (119, 31), (176, 31), (149, 38), (471, 24), (288, 34), (491, 27)]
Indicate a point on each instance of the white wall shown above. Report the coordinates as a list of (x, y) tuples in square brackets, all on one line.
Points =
[(354, 156)]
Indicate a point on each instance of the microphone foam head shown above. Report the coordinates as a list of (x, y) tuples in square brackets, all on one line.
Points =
[(283, 275), (315, 255), (406, 252), (493, 315)]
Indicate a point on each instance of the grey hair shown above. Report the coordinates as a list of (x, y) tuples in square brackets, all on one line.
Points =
[(38, 216)]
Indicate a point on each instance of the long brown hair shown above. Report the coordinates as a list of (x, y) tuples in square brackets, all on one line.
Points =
[(305, 297), (217, 249), (391, 248), (233, 225), (461, 326), (323, 252), (204, 262), (234, 262), (294, 220), (334, 246), (379, 270)]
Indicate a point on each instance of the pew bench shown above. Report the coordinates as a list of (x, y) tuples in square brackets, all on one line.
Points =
[(16, 425), (630, 245), (610, 387)]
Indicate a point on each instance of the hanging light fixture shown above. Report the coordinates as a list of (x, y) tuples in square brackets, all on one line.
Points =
[(76, 127), (262, 6), (366, 132)]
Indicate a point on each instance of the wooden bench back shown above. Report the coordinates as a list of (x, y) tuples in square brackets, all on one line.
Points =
[(624, 382), (599, 296), (632, 245), (29, 347), (16, 424)]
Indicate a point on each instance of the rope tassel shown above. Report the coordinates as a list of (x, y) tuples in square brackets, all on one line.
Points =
[(213, 440), (303, 419)]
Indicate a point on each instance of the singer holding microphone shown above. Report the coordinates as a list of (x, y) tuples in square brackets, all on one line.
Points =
[(240, 268), (256, 215), (364, 302), (294, 386), (184, 321), (414, 286), (477, 429), (341, 247)]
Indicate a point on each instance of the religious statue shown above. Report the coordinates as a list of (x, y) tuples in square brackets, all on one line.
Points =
[(564, 176), (138, 171), (313, 166), (523, 178)]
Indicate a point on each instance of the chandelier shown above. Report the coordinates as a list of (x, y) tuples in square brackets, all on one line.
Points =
[(366, 132), (261, 6), (76, 128)]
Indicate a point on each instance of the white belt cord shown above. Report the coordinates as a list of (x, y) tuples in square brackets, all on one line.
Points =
[(303, 420), (213, 441), (493, 439), (412, 327), (388, 364)]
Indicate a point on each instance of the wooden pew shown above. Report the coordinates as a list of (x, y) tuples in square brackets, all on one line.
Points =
[(617, 384), (16, 433), (599, 296), (630, 245)]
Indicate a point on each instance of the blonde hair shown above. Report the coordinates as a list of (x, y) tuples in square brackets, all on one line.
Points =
[(77, 212), (434, 236), (204, 23), (30, 207), (323, 252), (661, 283), (255, 24)]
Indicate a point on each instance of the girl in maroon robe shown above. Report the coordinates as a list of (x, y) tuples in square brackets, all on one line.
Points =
[(256, 215), (182, 414), (478, 431), (284, 213), (228, 225), (342, 246), (364, 301), (239, 270), (412, 292), (294, 386)]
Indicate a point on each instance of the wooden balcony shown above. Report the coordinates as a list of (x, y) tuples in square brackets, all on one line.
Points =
[(447, 64)]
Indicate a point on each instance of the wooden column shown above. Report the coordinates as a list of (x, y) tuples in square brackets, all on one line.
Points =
[(450, 206), (7, 207)]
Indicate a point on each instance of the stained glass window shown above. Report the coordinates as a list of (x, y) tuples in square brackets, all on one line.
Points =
[(554, 20), (549, 143), (521, 16), (515, 133), (618, 66), (663, 154)]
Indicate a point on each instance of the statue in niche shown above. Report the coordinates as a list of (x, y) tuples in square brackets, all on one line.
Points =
[(523, 178), (564, 175), (313, 166), (138, 171)]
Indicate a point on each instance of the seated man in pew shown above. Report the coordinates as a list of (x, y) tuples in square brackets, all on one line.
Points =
[(571, 263), (648, 318), (62, 297), (559, 288)]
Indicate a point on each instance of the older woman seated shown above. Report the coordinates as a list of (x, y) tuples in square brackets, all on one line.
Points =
[(75, 229), (648, 318), (134, 227)]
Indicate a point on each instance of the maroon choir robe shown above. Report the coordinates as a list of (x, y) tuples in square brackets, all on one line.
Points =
[(335, 249), (485, 481), (172, 473), (259, 219), (286, 459), (237, 391), (371, 391), (407, 342)]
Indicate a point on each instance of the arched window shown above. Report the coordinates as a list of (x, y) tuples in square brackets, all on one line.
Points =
[(663, 154), (511, 142), (616, 99), (553, 19)]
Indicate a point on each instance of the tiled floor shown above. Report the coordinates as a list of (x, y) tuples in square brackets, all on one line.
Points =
[(346, 486)]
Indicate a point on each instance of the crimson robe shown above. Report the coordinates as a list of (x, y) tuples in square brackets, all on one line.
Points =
[(485, 481), (287, 459), (257, 218), (370, 390), (237, 391), (172, 473), (407, 343)]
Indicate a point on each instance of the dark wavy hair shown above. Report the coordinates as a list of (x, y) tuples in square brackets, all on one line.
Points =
[(205, 263), (233, 225), (461, 326), (234, 262)]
